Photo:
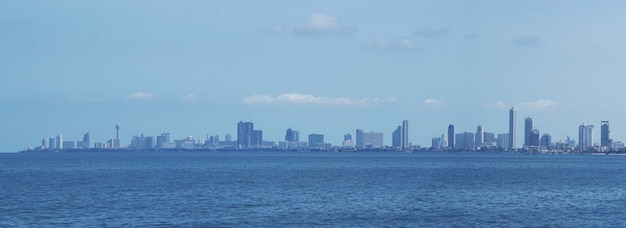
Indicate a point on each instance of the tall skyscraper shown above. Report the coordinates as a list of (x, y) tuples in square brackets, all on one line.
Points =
[(292, 135), (359, 138), (59, 142), (528, 130), (480, 136), (51, 144), (451, 136), (404, 136), (512, 127), (585, 137), (244, 134), (117, 131), (44, 144), (605, 134), (396, 138), (116, 142)]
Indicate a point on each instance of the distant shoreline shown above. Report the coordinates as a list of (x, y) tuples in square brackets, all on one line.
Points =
[(349, 150)]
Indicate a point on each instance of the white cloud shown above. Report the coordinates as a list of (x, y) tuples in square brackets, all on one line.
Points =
[(320, 23), (386, 45), (189, 97), (298, 98), (434, 102), (140, 95), (538, 104)]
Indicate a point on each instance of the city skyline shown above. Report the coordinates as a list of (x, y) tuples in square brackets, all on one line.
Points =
[(249, 138), (323, 67)]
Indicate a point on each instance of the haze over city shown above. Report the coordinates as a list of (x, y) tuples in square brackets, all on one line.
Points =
[(194, 68)]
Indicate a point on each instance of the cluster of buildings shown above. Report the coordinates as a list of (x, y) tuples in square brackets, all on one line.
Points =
[(533, 140), (249, 138)]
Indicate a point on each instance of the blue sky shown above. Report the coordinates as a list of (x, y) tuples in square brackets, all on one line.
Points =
[(197, 67)]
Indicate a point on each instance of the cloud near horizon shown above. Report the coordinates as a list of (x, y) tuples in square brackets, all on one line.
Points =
[(321, 24), (302, 99), (140, 95), (538, 104), (390, 46), (189, 97), (527, 105), (433, 102)]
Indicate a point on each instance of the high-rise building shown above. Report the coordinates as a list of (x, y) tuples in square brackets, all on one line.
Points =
[(44, 144), (444, 140), (512, 117), (546, 141), (316, 141), (116, 142), (490, 138), (465, 141), (85, 143), (117, 131), (404, 136), (51, 144), (534, 138), (58, 142), (396, 138), (162, 139), (503, 141), (528, 130), (244, 134), (480, 136), (292, 135), (605, 135), (451, 136), (368, 139), (347, 140), (585, 137), (256, 139), (435, 143)]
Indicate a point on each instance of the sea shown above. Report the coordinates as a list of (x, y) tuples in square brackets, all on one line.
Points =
[(311, 189)]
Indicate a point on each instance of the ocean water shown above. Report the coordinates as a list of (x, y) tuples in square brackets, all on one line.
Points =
[(302, 189)]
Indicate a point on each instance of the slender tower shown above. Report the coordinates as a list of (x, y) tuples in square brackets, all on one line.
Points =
[(404, 136), (117, 134), (512, 127)]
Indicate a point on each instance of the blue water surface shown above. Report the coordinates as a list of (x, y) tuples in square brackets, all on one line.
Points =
[(304, 189)]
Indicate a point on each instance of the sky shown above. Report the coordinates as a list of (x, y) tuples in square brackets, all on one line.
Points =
[(194, 68)]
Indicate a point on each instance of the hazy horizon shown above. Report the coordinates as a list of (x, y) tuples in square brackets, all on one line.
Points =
[(193, 68)]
